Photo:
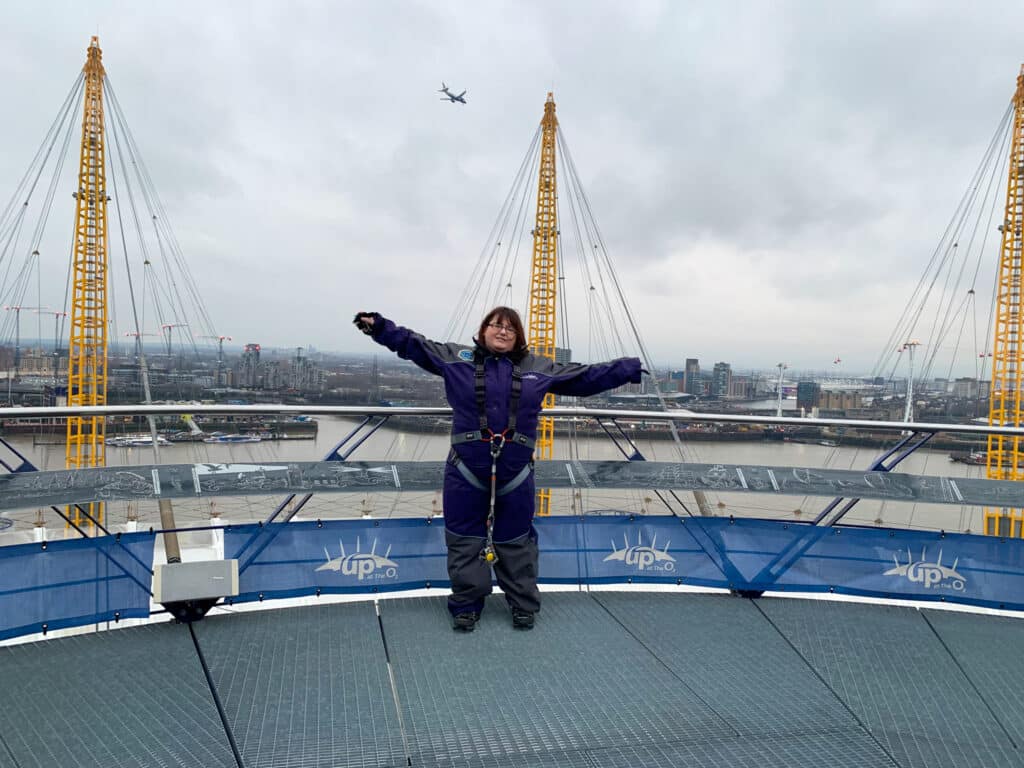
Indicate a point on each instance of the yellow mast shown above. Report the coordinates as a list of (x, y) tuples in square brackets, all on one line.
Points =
[(1004, 453), (87, 347), (541, 314)]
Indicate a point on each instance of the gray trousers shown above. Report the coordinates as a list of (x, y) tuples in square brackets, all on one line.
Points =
[(516, 571)]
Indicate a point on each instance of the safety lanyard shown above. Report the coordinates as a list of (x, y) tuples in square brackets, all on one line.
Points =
[(496, 440)]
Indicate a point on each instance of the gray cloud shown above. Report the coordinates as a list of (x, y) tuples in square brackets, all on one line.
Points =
[(771, 178)]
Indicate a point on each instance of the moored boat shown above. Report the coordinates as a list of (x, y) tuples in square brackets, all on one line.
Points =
[(141, 440), (222, 438)]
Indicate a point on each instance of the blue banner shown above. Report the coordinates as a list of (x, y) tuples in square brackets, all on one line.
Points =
[(336, 556), (350, 556), (619, 549), (57, 584), (914, 565)]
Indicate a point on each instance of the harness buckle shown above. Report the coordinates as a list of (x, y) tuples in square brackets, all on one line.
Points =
[(497, 441)]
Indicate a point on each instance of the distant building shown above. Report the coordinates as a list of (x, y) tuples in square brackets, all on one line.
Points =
[(563, 355), (808, 394), (37, 362), (965, 387), (635, 399), (305, 375), (721, 375), (122, 375), (693, 384), (839, 400), (668, 386), (971, 389), (741, 388), (249, 375), (272, 375)]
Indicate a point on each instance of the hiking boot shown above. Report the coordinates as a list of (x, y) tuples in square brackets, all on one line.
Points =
[(465, 622), (522, 619)]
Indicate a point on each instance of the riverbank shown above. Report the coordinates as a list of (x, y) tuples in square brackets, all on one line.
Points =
[(174, 429), (640, 430)]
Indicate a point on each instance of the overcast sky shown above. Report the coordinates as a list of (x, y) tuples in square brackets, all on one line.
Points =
[(771, 178)]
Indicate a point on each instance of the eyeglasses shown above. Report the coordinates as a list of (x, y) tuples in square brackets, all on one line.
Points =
[(502, 328)]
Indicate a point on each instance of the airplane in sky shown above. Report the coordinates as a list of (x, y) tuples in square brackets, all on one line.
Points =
[(449, 96)]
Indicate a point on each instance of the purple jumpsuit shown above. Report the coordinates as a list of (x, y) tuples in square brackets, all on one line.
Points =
[(466, 502)]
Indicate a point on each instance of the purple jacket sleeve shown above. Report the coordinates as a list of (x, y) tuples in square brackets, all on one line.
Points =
[(583, 380), (409, 345)]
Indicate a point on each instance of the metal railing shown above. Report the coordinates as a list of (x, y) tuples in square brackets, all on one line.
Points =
[(559, 412)]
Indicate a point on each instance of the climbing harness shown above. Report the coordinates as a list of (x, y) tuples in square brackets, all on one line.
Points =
[(496, 441)]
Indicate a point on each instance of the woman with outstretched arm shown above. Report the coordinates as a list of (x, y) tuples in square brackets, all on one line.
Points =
[(495, 388)]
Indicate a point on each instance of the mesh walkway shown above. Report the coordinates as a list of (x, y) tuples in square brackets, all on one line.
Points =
[(605, 679)]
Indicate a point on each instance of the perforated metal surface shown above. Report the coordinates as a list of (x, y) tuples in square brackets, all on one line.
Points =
[(6, 758), (915, 750), (305, 687), (604, 680), (130, 697), (574, 759), (989, 652), (718, 645), (576, 681), (889, 667), (834, 750), (826, 749)]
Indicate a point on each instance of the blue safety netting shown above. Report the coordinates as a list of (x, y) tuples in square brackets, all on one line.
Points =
[(57, 584), (742, 554)]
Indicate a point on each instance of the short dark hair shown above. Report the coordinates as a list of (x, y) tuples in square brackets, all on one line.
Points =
[(510, 317)]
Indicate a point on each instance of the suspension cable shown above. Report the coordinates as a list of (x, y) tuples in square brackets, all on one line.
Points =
[(989, 200), (915, 305), (44, 150), (460, 317), (167, 241), (16, 290)]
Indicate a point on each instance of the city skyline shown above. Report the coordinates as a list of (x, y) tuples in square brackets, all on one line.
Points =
[(232, 353), (770, 181)]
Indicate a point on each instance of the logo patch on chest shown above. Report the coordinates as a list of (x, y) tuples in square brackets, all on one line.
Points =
[(466, 354)]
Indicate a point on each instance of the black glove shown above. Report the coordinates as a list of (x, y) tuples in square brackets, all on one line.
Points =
[(361, 323)]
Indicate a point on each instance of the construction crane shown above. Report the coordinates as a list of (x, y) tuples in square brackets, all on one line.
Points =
[(220, 355), (16, 309), (58, 315), (137, 335), (541, 311), (1003, 458), (87, 347), (168, 329)]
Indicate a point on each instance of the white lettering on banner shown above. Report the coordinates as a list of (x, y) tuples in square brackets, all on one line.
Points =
[(929, 575), (365, 566), (646, 559)]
